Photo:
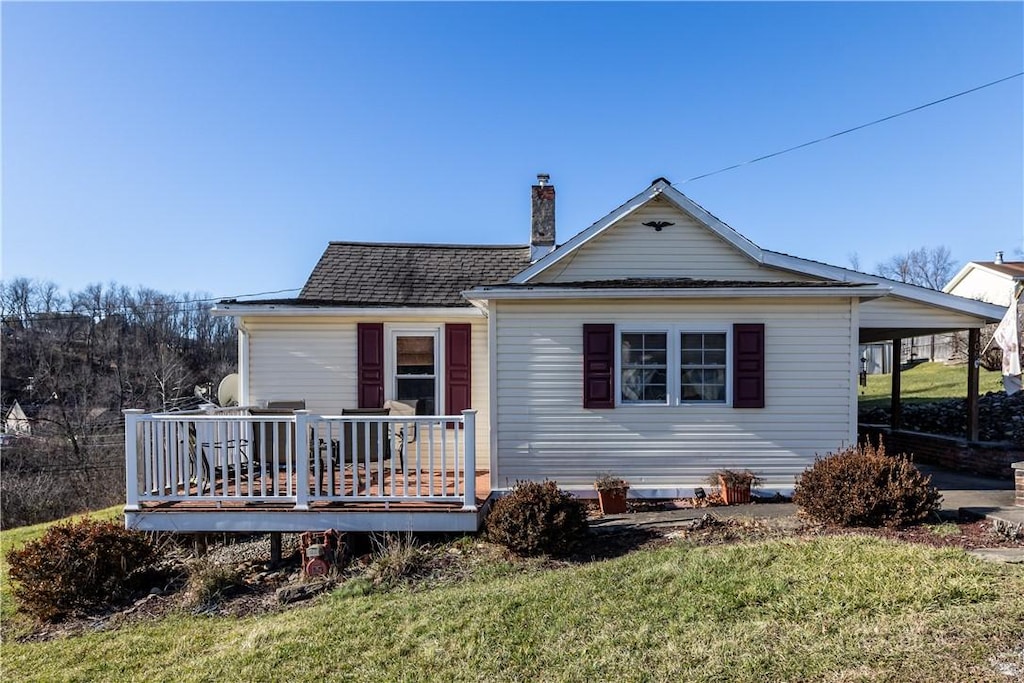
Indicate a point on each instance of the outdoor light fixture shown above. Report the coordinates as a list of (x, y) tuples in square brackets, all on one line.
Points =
[(699, 493)]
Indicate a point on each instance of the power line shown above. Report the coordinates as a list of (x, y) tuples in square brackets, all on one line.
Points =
[(42, 315), (855, 128)]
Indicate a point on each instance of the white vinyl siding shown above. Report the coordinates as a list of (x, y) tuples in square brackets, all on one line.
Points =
[(895, 313), (686, 249), (314, 359), (543, 431)]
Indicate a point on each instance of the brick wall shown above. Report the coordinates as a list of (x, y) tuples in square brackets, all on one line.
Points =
[(959, 455)]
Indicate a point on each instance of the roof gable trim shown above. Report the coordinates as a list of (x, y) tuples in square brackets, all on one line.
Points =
[(931, 297), (660, 187)]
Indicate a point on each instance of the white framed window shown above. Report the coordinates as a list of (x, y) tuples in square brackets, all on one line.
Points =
[(644, 370), (413, 366), (702, 367), (660, 364)]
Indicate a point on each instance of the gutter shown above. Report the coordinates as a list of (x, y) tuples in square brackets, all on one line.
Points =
[(286, 311), (863, 293)]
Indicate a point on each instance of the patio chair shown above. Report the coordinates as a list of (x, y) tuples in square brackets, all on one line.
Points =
[(404, 436), (264, 450)]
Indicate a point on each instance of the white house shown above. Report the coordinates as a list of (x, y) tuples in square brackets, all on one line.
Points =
[(658, 344), (997, 282)]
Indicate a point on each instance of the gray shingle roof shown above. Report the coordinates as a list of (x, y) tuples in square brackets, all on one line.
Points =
[(366, 274)]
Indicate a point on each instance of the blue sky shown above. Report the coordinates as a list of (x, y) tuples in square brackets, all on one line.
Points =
[(219, 147)]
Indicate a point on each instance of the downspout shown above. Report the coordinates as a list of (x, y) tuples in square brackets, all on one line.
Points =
[(243, 362)]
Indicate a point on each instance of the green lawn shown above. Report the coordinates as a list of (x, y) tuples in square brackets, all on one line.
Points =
[(835, 608), (927, 382)]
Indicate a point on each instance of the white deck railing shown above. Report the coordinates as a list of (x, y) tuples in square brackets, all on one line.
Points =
[(229, 455)]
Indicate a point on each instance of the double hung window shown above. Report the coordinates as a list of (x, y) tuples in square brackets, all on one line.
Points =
[(702, 367), (414, 361), (673, 365)]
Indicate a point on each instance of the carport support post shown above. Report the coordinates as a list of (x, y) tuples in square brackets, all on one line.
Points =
[(894, 405), (973, 361)]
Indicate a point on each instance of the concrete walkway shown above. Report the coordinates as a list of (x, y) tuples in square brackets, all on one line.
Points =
[(963, 496), (971, 497)]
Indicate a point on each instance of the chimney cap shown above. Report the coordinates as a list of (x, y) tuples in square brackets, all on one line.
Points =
[(999, 257), (543, 179)]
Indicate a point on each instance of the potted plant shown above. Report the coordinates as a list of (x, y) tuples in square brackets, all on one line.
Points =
[(611, 494), (734, 485)]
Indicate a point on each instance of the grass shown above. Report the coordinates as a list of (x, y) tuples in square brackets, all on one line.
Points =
[(831, 608), (927, 382)]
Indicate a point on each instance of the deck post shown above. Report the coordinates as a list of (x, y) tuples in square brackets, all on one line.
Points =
[(973, 361), (302, 459), (131, 458), (469, 460)]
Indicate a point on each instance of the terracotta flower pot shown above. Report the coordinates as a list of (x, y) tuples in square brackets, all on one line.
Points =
[(613, 501), (737, 494)]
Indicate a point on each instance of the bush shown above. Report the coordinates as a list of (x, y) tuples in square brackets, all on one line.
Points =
[(862, 486), (77, 567), (395, 558), (209, 582), (535, 519)]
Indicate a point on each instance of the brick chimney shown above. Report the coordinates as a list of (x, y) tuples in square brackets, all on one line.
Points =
[(542, 231)]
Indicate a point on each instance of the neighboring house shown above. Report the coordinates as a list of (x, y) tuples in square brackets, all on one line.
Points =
[(658, 344), (19, 420), (997, 282)]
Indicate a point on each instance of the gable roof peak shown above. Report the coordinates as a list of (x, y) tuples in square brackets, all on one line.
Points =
[(659, 189)]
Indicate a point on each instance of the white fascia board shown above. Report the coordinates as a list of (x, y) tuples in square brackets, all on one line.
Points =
[(902, 290), (662, 188), (961, 274), (239, 310), (716, 226), (862, 293)]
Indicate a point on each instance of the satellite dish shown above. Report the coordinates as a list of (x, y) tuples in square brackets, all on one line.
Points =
[(227, 391)]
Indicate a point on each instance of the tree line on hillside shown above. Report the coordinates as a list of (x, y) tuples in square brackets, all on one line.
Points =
[(72, 362)]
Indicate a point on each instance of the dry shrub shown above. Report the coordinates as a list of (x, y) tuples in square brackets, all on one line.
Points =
[(862, 486), (209, 582), (397, 558), (535, 519), (77, 567)]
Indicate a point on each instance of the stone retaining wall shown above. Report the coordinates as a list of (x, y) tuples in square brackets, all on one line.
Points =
[(984, 458), (1018, 477)]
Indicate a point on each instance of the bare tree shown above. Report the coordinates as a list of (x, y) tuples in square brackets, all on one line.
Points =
[(80, 359), (926, 267)]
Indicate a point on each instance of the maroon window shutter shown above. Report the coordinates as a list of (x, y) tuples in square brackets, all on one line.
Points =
[(370, 373), (598, 366), (748, 366), (458, 376)]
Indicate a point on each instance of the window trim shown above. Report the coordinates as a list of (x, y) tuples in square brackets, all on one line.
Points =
[(391, 334), (673, 333)]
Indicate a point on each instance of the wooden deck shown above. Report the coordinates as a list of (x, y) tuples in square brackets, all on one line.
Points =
[(332, 505), (232, 470)]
